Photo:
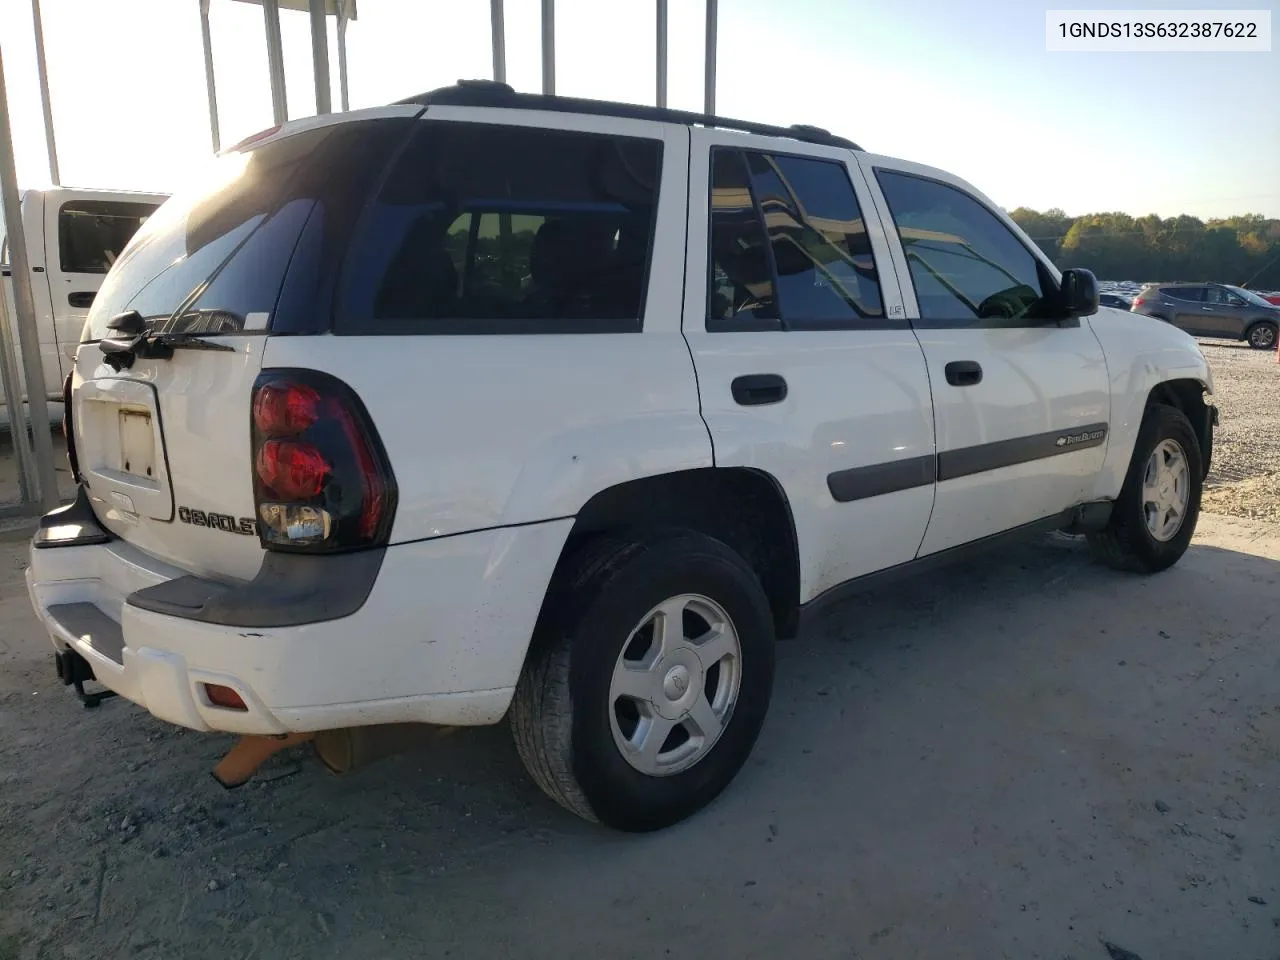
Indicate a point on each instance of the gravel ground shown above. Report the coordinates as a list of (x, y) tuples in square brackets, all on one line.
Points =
[(1029, 757), (1245, 477)]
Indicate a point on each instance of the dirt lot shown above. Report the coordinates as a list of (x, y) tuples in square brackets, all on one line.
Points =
[(1024, 758), (1245, 479), (1019, 759)]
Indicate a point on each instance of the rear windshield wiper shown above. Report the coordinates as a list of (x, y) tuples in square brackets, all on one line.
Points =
[(135, 340)]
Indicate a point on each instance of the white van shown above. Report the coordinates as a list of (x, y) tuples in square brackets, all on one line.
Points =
[(73, 237)]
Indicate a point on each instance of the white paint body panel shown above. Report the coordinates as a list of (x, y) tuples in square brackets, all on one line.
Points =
[(1035, 380), (854, 398), (441, 638), (1141, 353)]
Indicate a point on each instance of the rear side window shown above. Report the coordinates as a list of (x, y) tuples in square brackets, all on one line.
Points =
[(91, 233), (500, 229), (788, 243), (1188, 294)]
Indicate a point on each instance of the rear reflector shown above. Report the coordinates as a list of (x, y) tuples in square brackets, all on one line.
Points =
[(225, 697)]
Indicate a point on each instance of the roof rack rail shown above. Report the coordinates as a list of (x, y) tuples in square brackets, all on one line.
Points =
[(491, 93)]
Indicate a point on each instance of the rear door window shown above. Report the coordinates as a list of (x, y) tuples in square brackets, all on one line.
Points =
[(503, 229), (1186, 294), (788, 243), (91, 233)]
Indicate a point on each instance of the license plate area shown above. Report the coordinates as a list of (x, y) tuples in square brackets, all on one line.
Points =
[(137, 445)]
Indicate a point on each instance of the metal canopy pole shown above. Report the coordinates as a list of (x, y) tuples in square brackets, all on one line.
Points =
[(275, 61), (549, 46), (709, 89), (499, 41), (208, 75), (662, 53), (28, 483), (43, 72), (24, 302), (320, 56), (342, 54)]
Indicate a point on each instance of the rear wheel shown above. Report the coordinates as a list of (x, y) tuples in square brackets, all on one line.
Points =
[(1262, 336), (648, 680), (1154, 517)]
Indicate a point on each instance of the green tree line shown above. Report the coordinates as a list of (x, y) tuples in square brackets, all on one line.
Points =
[(1242, 250)]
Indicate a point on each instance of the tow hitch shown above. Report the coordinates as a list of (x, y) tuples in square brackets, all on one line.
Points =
[(75, 671)]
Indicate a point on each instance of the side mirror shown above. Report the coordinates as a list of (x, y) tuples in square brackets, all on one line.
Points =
[(1079, 293)]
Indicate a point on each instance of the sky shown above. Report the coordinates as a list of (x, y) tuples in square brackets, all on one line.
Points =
[(964, 86)]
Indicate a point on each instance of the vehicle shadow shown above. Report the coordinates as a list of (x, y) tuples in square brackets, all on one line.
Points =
[(1000, 726)]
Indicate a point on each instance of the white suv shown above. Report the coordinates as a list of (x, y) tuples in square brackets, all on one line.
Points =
[(490, 405)]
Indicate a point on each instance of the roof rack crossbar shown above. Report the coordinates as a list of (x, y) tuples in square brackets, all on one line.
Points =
[(490, 93)]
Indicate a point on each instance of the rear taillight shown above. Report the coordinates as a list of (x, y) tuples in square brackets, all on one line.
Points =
[(69, 429), (321, 479), (1139, 301)]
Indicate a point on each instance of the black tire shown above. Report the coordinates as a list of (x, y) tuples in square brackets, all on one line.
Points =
[(560, 714), (1126, 543), (1262, 335)]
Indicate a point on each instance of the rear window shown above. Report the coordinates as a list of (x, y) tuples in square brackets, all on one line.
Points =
[(489, 229), (91, 233), (212, 260)]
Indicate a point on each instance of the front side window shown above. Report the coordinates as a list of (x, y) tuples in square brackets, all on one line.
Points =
[(91, 233), (487, 229), (968, 268)]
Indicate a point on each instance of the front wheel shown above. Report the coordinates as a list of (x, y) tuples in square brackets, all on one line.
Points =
[(1262, 336), (648, 679), (1154, 518)]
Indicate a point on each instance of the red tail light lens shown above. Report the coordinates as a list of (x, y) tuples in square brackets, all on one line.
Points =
[(291, 470), (285, 409), (1139, 301), (321, 478)]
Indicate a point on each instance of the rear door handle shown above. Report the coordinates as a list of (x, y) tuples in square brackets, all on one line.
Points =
[(81, 298), (756, 389), (963, 373)]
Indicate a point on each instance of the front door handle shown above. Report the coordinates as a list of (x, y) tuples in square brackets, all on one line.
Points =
[(81, 299), (963, 373), (756, 389)]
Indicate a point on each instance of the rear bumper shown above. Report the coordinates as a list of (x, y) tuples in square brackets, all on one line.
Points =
[(441, 637)]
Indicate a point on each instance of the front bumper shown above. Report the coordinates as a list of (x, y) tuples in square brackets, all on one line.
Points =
[(440, 638)]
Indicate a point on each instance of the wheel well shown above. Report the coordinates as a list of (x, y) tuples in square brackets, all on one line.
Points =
[(743, 508), (1188, 396)]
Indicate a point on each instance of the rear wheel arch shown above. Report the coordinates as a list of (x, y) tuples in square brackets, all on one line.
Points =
[(745, 509)]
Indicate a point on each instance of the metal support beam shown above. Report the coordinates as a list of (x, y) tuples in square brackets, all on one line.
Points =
[(662, 53), (549, 46), (28, 482), (275, 61), (499, 41), (709, 80), (43, 71), (209, 83), (320, 56), (24, 302), (342, 54)]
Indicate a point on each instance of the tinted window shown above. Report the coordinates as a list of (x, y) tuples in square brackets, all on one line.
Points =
[(91, 233), (966, 265), (506, 229), (193, 235), (1189, 294), (825, 272), (741, 275)]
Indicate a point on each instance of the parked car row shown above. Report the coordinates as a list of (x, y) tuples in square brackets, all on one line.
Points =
[(1212, 310)]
